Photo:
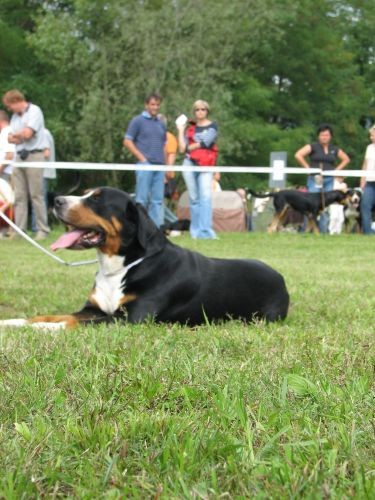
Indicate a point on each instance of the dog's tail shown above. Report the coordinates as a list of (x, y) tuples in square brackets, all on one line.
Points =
[(260, 195)]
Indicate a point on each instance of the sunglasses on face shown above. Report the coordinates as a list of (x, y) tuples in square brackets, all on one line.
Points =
[(200, 109)]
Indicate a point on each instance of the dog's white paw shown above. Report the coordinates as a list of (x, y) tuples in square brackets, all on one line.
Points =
[(45, 326), (13, 322), (40, 325)]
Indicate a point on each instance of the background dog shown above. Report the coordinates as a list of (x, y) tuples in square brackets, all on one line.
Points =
[(352, 212), (308, 204)]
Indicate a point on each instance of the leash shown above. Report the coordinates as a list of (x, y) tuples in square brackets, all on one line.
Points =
[(42, 249)]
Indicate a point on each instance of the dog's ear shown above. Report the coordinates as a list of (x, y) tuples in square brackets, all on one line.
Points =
[(149, 237)]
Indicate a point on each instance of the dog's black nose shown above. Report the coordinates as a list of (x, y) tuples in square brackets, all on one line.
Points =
[(59, 201)]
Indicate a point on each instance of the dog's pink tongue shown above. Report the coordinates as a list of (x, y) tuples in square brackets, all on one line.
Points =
[(67, 239)]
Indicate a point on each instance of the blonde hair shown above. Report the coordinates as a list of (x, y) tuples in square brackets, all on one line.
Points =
[(13, 96), (202, 104)]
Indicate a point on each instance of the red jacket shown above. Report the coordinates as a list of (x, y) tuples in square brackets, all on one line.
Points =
[(205, 157)]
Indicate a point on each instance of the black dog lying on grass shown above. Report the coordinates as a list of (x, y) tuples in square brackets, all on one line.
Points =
[(143, 275), (309, 204)]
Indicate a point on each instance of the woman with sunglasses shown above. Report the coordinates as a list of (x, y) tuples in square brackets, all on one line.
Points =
[(198, 142)]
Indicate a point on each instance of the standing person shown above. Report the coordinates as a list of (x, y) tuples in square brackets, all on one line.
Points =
[(7, 150), (145, 139), (323, 155), (368, 185), (199, 145), (170, 184), (27, 133), (48, 173)]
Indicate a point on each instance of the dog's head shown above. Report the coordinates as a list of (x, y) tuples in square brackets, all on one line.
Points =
[(354, 198), (338, 196), (107, 219)]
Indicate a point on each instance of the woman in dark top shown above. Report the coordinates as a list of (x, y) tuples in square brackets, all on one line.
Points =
[(324, 155)]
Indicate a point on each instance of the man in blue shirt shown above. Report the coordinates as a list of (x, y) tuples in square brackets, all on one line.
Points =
[(145, 138)]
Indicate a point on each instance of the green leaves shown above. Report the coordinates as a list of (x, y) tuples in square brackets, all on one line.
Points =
[(23, 430), (271, 71), (301, 386)]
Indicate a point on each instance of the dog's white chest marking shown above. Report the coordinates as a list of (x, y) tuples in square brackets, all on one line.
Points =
[(109, 283)]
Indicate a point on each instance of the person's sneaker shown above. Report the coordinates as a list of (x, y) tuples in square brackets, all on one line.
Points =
[(174, 233), (40, 235)]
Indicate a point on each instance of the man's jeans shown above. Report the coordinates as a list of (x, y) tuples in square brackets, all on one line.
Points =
[(199, 185), (312, 188), (149, 191), (367, 204)]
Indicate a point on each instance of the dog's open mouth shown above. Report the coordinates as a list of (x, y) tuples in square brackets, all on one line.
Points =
[(79, 239)]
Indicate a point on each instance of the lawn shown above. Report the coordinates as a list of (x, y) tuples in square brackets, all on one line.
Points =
[(164, 411)]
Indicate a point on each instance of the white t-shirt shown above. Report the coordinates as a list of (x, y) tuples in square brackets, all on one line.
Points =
[(31, 118), (370, 161), (6, 147)]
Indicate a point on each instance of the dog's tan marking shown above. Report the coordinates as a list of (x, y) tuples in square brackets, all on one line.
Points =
[(92, 299), (83, 217), (116, 224), (311, 225), (113, 242), (69, 320), (276, 220), (129, 297)]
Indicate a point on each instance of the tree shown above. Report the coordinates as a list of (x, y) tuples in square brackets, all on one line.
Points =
[(271, 71)]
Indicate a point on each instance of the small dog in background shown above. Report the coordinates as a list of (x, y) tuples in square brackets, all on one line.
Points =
[(352, 212)]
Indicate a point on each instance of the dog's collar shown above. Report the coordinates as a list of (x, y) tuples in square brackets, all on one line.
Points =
[(133, 264), (114, 265)]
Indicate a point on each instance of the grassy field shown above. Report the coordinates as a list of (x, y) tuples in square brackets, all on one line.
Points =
[(222, 411)]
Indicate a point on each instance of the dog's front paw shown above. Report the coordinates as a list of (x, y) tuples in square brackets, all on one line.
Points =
[(48, 327), (17, 322)]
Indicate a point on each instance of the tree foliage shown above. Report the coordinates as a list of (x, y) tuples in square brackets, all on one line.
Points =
[(272, 71)]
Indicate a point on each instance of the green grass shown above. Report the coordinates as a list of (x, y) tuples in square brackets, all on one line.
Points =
[(222, 411)]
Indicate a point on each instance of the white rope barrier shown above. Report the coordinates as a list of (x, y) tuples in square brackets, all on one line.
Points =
[(180, 168), (166, 168)]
